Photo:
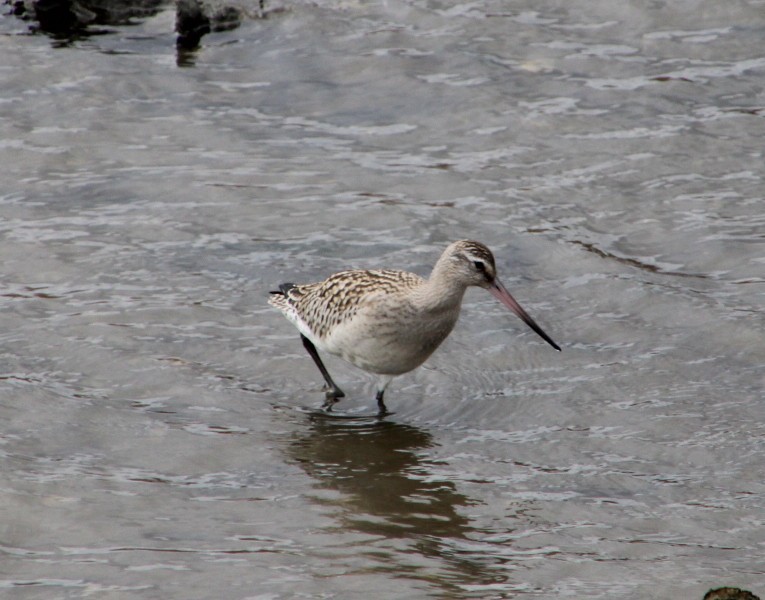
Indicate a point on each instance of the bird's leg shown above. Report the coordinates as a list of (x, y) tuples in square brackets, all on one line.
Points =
[(382, 410), (332, 392)]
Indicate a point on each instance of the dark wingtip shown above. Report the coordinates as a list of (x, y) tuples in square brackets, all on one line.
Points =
[(284, 288)]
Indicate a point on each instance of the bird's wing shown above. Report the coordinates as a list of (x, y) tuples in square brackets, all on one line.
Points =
[(325, 304)]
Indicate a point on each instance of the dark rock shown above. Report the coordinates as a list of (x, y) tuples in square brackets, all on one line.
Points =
[(68, 18), (195, 18), (729, 593)]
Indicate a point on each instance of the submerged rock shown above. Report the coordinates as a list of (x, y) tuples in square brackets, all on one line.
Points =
[(729, 593), (71, 19)]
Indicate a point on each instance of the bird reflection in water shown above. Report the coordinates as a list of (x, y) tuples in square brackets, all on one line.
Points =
[(377, 466), (382, 472)]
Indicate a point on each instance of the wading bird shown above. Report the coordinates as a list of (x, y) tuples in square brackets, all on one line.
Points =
[(389, 322)]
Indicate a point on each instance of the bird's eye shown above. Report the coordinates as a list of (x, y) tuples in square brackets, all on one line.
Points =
[(478, 264)]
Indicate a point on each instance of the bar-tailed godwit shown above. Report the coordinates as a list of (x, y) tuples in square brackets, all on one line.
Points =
[(389, 322)]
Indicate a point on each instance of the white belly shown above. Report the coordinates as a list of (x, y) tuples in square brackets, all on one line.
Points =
[(388, 343)]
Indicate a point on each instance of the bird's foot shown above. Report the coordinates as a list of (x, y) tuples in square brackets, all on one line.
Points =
[(333, 393), (332, 396)]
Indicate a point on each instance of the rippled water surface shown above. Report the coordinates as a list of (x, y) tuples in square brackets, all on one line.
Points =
[(155, 440)]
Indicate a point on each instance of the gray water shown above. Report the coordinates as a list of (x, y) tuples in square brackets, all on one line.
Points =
[(156, 436)]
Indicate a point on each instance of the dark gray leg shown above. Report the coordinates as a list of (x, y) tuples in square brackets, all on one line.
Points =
[(333, 393), (382, 410), (382, 385)]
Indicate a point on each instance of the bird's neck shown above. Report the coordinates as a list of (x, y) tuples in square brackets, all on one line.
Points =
[(440, 292)]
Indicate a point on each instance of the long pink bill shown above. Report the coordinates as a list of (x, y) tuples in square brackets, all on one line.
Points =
[(500, 293)]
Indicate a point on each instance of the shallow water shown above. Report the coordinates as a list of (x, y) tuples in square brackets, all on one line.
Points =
[(155, 442)]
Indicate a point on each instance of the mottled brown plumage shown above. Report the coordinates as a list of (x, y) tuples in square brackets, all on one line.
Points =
[(324, 305), (389, 322)]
